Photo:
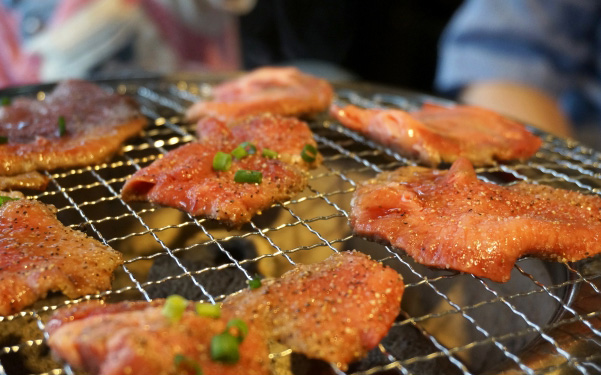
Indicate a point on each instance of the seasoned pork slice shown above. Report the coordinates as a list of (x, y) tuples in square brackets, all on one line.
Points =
[(185, 178), (137, 338), (96, 123), (287, 136), (38, 254), (437, 134), (278, 90), (451, 219), (335, 310)]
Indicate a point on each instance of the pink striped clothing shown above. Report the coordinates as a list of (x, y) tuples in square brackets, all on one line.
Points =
[(84, 38)]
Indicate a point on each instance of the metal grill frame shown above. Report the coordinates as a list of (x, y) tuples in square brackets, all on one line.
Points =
[(562, 163)]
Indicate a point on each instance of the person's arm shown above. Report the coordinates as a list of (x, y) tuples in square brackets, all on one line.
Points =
[(518, 56), (521, 102)]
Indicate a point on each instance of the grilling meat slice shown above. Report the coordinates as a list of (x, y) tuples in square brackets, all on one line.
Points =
[(136, 338), (30, 180), (450, 219), (335, 310), (285, 135), (96, 123), (437, 134), (278, 90), (39, 254), (185, 178)]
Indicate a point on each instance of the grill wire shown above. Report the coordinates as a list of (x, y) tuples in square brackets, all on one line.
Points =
[(545, 320)]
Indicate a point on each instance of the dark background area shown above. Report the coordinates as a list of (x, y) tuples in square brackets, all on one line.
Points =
[(391, 42)]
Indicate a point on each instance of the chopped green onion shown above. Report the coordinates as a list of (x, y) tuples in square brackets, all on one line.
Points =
[(222, 161), (249, 148), (181, 361), (4, 199), (3, 140), (249, 177), (309, 153), (174, 307), (239, 152), (269, 153), (224, 348), (5, 101), (209, 310), (254, 283), (237, 328), (62, 126)]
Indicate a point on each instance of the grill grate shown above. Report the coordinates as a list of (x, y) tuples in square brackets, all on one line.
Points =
[(545, 320)]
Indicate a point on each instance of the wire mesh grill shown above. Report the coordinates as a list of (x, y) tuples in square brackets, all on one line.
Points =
[(451, 323)]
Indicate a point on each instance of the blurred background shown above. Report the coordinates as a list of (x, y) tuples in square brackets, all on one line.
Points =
[(389, 42), (527, 59)]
